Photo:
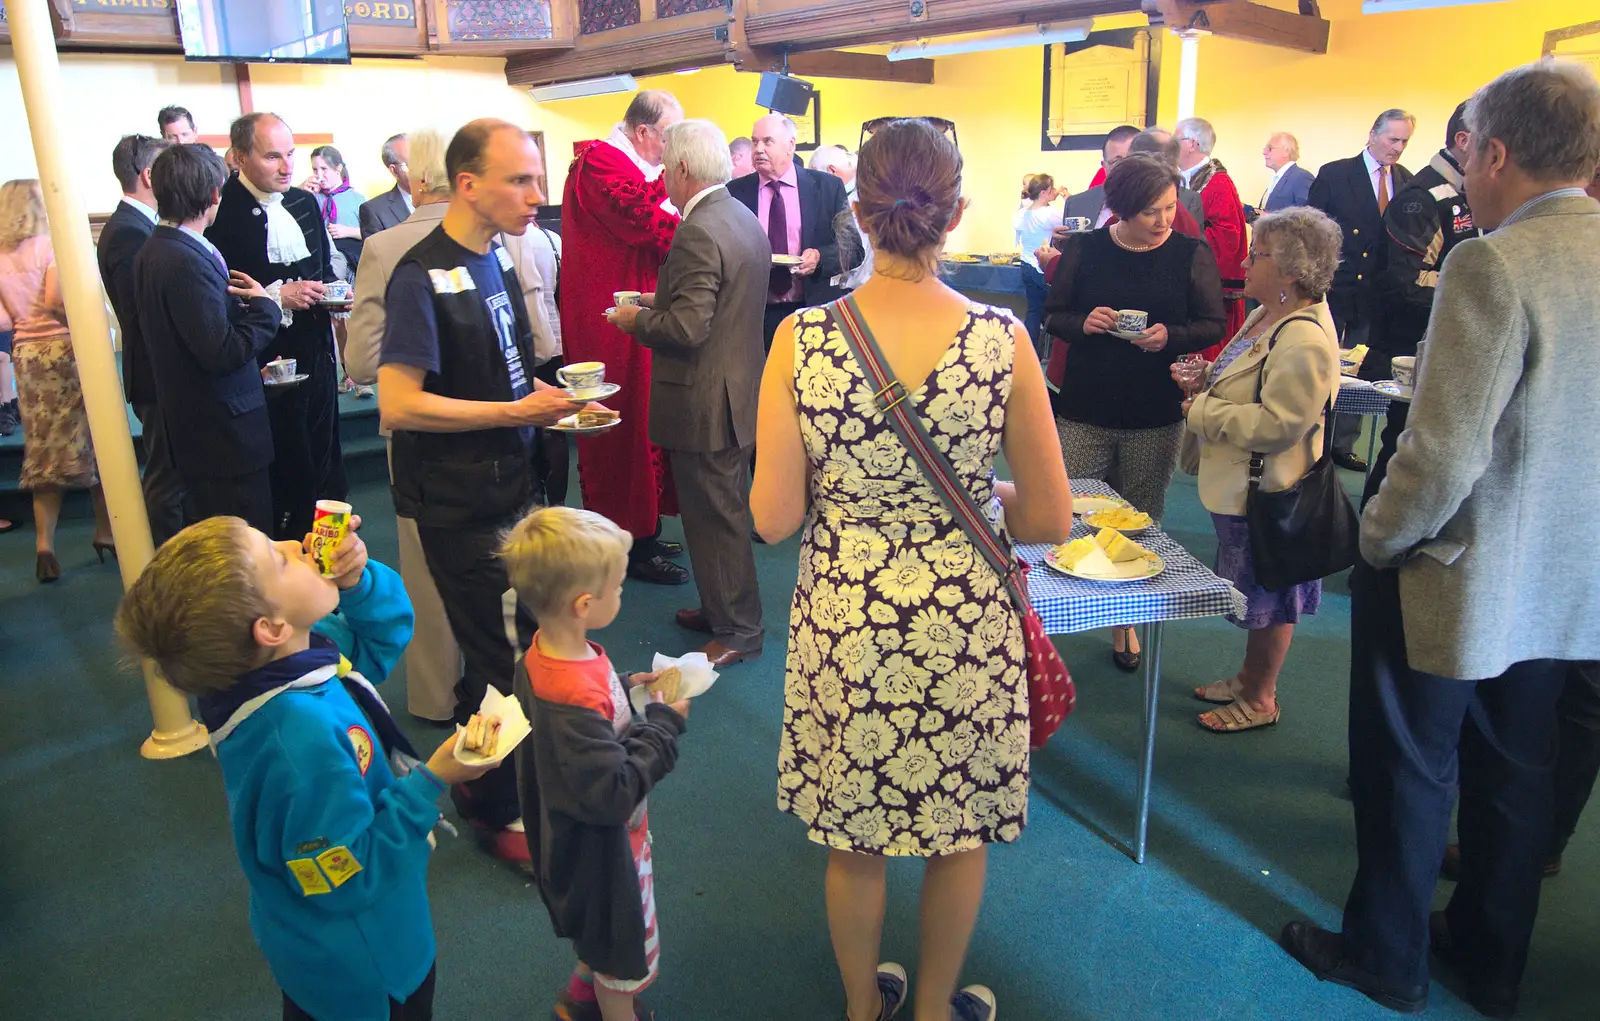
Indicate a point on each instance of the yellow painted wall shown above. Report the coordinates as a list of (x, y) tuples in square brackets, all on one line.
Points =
[(1426, 61)]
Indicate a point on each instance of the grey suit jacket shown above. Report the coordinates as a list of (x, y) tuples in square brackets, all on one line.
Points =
[(705, 329), (1490, 501), (1090, 203), (382, 212)]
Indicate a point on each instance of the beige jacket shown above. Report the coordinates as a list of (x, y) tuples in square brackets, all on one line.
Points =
[(1297, 380)]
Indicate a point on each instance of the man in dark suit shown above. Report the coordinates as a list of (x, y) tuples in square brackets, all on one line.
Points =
[(275, 233), (1356, 193), (393, 206), (1290, 184), (202, 344), (798, 210), (1092, 203), (703, 328), (124, 234)]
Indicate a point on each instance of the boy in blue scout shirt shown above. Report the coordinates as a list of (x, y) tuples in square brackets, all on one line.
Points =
[(331, 811)]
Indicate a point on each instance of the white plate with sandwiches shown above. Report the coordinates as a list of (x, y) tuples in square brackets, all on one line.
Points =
[(786, 260), (1082, 505), (598, 393), (1105, 556), (586, 422), (493, 732)]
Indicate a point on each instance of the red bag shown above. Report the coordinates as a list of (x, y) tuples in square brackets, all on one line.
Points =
[(1051, 693)]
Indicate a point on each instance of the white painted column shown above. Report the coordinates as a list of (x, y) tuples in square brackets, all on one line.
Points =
[(175, 732), (1188, 70)]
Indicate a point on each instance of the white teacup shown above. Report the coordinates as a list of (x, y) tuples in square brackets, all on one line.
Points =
[(339, 290), (621, 298), (281, 370), (1132, 320), (1404, 370), (582, 378), (1077, 224)]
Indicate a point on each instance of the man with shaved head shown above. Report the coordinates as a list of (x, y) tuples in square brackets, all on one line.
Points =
[(456, 386), (617, 227), (275, 233), (799, 210)]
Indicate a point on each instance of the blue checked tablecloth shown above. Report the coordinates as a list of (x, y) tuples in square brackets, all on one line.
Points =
[(1186, 589), (1359, 398), (982, 276)]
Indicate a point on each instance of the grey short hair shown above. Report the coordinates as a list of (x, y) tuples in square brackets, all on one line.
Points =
[(242, 133), (828, 156), (703, 150), (1393, 115), (649, 107), (1289, 140), (1199, 131), (391, 158), (427, 164), (1547, 115), (1305, 245)]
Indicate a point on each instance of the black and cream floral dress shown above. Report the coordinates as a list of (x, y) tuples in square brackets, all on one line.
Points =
[(905, 723)]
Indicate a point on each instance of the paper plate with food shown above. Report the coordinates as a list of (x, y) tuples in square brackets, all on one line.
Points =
[(588, 421), (493, 732), (677, 678), (1123, 518), (785, 260), (1108, 555), (961, 258)]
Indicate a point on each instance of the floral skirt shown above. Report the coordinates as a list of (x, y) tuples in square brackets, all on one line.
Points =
[(57, 452), (1262, 608)]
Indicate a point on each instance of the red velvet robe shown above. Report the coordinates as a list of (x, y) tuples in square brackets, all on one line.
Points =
[(1219, 199), (615, 236)]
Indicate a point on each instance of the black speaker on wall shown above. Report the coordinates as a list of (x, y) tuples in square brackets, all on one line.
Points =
[(783, 93)]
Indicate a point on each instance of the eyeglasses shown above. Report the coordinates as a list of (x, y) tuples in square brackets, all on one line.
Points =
[(877, 124), (1253, 256)]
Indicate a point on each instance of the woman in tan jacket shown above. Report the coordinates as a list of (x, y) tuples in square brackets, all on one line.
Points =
[(1266, 393)]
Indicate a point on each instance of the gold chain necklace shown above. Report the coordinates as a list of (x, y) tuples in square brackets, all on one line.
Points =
[(1116, 236)]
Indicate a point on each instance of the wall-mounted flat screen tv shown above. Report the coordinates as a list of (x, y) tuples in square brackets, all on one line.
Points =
[(265, 31)]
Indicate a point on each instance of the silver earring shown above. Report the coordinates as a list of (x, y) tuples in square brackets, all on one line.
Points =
[(1283, 297)]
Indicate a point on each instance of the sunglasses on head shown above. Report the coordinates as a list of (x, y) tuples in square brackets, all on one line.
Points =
[(877, 124)]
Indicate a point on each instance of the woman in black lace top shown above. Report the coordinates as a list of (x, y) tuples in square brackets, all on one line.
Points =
[(1118, 411)]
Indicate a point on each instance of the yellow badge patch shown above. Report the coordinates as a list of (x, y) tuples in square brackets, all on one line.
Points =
[(361, 741), (339, 864), (310, 877)]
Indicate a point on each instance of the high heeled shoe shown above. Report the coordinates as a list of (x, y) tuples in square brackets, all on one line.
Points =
[(102, 548), (47, 568)]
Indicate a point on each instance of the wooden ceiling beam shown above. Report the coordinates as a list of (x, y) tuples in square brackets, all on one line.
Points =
[(1249, 22), (840, 64), (651, 47), (823, 26)]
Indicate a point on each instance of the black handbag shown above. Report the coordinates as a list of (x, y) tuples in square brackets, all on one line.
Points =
[(1308, 531)]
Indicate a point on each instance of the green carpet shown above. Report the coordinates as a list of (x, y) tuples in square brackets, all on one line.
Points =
[(120, 897)]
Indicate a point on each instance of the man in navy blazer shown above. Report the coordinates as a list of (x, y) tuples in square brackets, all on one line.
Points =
[(120, 241), (203, 343), (392, 207), (1290, 184), (1356, 192), (812, 235)]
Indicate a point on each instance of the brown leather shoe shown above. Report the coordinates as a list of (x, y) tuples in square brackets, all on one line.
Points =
[(694, 620), (721, 655)]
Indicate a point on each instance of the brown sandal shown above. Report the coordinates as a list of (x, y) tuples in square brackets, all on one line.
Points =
[(1219, 692), (1236, 716)]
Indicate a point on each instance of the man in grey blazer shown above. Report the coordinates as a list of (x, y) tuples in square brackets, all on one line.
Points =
[(392, 207), (1481, 583), (703, 325)]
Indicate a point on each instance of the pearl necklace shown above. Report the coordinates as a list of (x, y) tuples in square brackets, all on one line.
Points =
[(1123, 244)]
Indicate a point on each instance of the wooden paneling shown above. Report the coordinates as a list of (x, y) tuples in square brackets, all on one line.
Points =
[(1238, 19), (790, 24), (840, 64), (659, 46)]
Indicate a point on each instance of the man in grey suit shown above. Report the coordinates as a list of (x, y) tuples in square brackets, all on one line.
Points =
[(703, 325), (392, 207), (1480, 585)]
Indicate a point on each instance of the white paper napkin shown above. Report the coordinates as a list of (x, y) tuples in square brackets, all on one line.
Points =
[(698, 677), (514, 727)]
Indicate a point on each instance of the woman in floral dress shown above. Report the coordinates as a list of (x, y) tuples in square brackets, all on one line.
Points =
[(905, 706)]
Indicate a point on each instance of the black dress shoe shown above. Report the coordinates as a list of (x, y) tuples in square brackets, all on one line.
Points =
[(657, 570), (670, 550), (694, 620), (1497, 1001), (1322, 954), (1350, 462)]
